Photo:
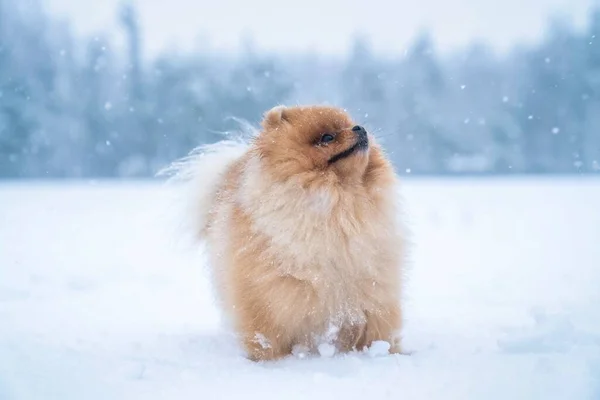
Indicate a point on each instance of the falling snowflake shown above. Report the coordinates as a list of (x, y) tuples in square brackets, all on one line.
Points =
[(108, 106), (555, 131)]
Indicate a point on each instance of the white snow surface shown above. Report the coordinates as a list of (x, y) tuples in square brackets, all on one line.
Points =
[(99, 300)]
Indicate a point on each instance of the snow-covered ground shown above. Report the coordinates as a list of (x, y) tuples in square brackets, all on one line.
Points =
[(98, 300)]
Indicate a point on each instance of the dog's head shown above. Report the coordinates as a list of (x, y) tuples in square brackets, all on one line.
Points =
[(320, 141)]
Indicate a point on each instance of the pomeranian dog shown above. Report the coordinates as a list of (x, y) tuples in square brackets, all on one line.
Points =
[(302, 233)]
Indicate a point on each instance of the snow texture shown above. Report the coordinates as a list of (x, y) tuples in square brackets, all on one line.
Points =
[(99, 300), (379, 348), (326, 350)]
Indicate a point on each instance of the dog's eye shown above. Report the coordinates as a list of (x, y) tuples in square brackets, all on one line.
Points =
[(327, 137)]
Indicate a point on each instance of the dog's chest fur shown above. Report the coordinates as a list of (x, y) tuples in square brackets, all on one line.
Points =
[(341, 242)]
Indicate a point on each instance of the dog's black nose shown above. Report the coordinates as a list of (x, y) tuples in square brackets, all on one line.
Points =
[(361, 133)]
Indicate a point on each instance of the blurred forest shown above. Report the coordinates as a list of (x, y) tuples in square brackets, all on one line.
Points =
[(75, 107)]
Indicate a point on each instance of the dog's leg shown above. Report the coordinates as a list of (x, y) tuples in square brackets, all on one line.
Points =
[(383, 324), (350, 336), (269, 346)]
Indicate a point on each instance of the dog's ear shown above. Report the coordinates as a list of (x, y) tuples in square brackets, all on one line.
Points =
[(275, 116)]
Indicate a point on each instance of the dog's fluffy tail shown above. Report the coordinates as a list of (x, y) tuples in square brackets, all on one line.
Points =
[(198, 176)]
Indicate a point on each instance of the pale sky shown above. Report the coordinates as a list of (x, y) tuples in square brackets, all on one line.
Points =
[(326, 26)]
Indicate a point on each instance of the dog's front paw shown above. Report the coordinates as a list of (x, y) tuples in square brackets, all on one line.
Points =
[(260, 348)]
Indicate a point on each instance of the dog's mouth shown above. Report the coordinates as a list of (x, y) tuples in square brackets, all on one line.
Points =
[(360, 145)]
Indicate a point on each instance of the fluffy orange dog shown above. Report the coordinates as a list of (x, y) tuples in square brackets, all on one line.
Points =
[(301, 227)]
